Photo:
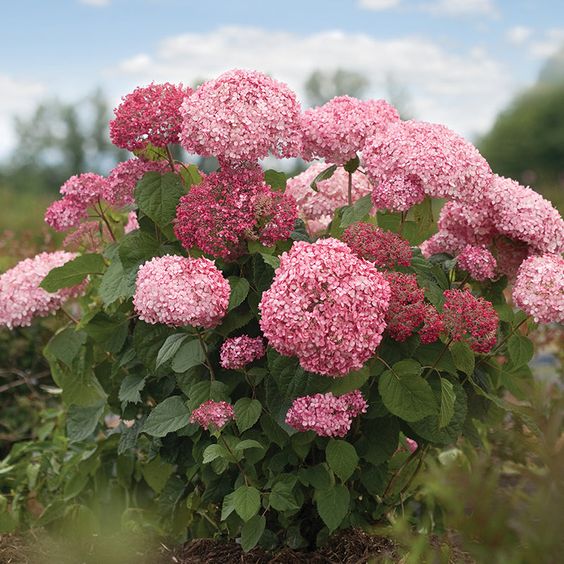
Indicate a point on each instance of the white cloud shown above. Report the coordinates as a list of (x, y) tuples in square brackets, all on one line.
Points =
[(549, 44), (461, 8), (464, 91), (518, 34), (378, 5), (97, 3)]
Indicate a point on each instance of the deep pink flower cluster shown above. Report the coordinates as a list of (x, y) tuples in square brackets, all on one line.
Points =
[(326, 306), (237, 352), (214, 414), (338, 129), (433, 325), (79, 193), (539, 288), (326, 414), (478, 262), (241, 116), (469, 318), (415, 159), (317, 208), (384, 248), (180, 291), (148, 115), (132, 223), (124, 177), (231, 207), (21, 298)]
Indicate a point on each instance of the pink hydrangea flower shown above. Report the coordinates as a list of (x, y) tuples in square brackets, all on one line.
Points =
[(539, 288), (237, 352), (214, 414), (509, 255), (478, 262), (180, 291), (132, 223), (241, 116), (326, 306), (442, 242), (384, 248), (415, 159), (21, 298), (338, 129), (148, 115), (467, 318), (64, 214), (433, 325), (326, 414), (231, 207), (89, 235), (472, 225)]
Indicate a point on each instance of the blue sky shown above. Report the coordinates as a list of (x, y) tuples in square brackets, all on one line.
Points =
[(460, 61)]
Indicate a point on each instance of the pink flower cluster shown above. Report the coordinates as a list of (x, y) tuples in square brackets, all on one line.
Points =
[(384, 248), (469, 318), (241, 116), (317, 208), (478, 262), (89, 235), (326, 306), (21, 298), (214, 414), (326, 414), (433, 325), (180, 291), (132, 223), (539, 288), (338, 129), (237, 352), (148, 115), (231, 207)]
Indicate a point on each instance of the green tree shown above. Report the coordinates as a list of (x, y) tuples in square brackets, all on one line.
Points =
[(322, 86)]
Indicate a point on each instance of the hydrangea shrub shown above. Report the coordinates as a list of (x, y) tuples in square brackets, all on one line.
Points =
[(278, 364)]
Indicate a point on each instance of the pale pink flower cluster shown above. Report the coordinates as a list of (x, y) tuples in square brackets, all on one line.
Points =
[(539, 288), (180, 291), (89, 235), (21, 298), (470, 224), (325, 414), (214, 414), (241, 116), (338, 129), (441, 242), (132, 223), (149, 114), (317, 208), (418, 159), (237, 352), (478, 262), (326, 306)]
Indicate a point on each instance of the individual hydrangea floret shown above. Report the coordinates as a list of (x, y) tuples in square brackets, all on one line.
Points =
[(337, 130), (132, 222), (478, 262), (383, 248), (539, 288), (467, 318), (212, 414), (231, 207), (326, 306), (180, 291), (326, 414), (237, 352), (241, 116), (149, 114), (22, 299)]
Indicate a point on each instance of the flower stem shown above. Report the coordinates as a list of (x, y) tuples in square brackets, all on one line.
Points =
[(105, 220), (224, 442), (350, 189), (205, 351)]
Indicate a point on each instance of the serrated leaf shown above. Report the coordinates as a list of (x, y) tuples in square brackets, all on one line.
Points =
[(352, 381), (188, 355), (333, 505), (170, 348), (281, 497), (73, 272), (82, 420), (520, 349), (212, 452), (66, 345), (463, 357), (323, 175), (239, 291), (130, 387), (168, 416), (448, 397), (271, 260), (342, 458), (247, 443), (247, 413), (276, 180), (246, 502), (357, 212), (156, 473), (251, 532)]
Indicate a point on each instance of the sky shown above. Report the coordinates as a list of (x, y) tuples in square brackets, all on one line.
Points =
[(459, 61)]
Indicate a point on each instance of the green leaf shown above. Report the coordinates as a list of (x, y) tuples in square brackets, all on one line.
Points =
[(136, 248), (168, 416), (520, 350), (448, 397), (342, 458), (65, 345), (375, 479), (276, 180), (109, 332), (170, 348), (388, 221), (281, 497), (188, 355), (317, 476), (357, 212), (352, 381), (116, 283), (190, 174), (156, 473), (239, 291), (82, 421), (387, 430), (73, 272), (246, 502), (247, 443), (352, 164), (323, 175), (405, 393), (130, 387), (157, 197), (251, 532), (463, 357), (206, 390), (271, 260), (333, 505), (151, 153), (214, 451), (247, 413)]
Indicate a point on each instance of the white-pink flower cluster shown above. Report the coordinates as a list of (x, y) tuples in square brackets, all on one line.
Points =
[(478, 262), (21, 298), (238, 352), (326, 306), (539, 288), (180, 291)]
